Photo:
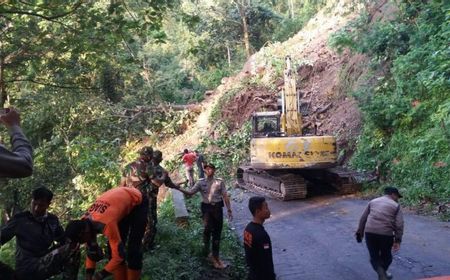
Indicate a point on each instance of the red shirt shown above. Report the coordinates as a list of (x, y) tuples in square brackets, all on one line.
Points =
[(189, 159)]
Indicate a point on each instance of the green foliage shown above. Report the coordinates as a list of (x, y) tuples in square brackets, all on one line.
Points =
[(212, 77), (289, 26), (351, 35), (229, 149), (406, 114), (96, 165), (178, 254), (7, 253), (262, 20)]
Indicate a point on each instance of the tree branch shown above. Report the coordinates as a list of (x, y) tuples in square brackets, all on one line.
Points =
[(49, 84), (49, 18)]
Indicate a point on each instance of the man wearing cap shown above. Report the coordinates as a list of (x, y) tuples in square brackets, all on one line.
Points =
[(382, 225), (159, 177), (138, 174), (214, 197), (138, 170)]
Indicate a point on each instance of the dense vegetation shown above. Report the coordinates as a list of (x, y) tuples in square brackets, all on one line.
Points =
[(406, 103), (90, 77)]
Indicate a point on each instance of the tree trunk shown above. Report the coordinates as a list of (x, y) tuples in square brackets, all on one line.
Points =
[(246, 37), (242, 11), (3, 95), (291, 8), (229, 55)]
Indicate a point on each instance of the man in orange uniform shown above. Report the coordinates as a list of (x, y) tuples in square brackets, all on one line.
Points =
[(119, 214)]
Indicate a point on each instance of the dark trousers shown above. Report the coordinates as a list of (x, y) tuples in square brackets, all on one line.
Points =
[(152, 220), (380, 247), (212, 221), (6, 272), (132, 229), (201, 172)]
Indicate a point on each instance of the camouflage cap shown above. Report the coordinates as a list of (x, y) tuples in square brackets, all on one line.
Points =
[(146, 151), (135, 171), (157, 155)]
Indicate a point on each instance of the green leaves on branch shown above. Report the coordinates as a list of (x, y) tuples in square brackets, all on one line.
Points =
[(406, 113)]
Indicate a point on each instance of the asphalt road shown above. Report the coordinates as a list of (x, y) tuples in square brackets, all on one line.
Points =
[(312, 239)]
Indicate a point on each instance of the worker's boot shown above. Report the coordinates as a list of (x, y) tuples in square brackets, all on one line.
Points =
[(381, 273), (120, 273), (389, 275), (133, 274)]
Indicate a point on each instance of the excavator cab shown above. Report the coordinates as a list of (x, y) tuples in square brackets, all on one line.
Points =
[(266, 124)]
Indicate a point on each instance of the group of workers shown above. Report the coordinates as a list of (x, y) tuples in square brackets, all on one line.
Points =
[(125, 215)]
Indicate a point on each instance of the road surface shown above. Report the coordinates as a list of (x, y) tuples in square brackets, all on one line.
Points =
[(313, 239)]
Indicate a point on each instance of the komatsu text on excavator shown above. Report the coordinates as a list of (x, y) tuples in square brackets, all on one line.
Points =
[(281, 157)]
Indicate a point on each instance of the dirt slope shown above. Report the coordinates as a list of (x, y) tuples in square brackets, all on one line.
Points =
[(325, 79)]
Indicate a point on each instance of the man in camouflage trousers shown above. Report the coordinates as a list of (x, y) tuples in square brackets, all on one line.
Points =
[(138, 174), (159, 177)]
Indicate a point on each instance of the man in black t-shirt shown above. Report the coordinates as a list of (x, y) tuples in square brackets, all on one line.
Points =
[(258, 248), (36, 232)]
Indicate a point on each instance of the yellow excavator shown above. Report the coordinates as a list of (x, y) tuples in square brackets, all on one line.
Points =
[(281, 157)]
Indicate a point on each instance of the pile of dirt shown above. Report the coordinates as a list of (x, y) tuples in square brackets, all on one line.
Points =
[(245, 103), (323, 86), (326, 105)]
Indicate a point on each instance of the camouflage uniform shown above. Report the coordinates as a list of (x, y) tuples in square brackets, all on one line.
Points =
[(150, 231), (138, 171), (62, 259), (142, 171), (159, 176)]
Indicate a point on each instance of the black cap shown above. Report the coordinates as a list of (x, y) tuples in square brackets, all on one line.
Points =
[(157, 155), (392, 190), (210, 165), (146, 151)]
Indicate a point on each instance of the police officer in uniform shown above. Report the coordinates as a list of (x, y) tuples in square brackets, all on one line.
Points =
[(214, 197)]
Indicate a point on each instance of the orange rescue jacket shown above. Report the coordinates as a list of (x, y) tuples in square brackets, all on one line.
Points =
[(109, 209)]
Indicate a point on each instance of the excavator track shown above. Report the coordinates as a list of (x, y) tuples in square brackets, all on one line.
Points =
[(343, 180), (277, 184)]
